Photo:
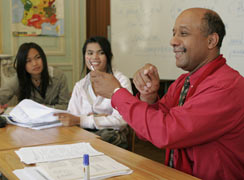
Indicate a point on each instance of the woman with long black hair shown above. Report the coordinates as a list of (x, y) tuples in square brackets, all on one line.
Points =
[(35, 80), (87, 109)]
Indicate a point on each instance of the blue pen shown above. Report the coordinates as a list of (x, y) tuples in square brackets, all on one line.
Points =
[(86, 167)]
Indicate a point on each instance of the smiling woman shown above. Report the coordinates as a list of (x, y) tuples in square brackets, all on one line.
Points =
[(89, 110)]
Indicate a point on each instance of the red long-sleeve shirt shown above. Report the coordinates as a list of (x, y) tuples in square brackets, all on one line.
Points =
[(210, 124)]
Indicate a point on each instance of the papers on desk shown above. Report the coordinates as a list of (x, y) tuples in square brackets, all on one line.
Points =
[(36, 126), (29, 173), (101, 166), (31, 114), (32, 155)]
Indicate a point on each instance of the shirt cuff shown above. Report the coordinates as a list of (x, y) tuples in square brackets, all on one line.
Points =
[(120, 97), (116, 89)]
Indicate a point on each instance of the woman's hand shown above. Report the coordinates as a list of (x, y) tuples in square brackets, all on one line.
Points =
[(2, 108), (68, 119)]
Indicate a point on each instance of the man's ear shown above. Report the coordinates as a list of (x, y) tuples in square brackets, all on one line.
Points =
[(213, 40)]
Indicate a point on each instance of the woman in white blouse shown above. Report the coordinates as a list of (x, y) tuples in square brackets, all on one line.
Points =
[(93, 112)]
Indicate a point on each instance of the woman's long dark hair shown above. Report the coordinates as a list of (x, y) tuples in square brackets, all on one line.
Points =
[(106, 47), (25, 83)]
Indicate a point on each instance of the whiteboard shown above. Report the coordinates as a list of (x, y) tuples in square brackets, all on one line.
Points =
[(141, 31)]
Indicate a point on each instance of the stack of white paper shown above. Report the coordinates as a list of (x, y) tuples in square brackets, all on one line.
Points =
[(64, 162), (101, 167), (32, 155), (31, 114)]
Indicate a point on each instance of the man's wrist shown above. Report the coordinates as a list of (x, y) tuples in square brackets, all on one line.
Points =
[(149, 98)]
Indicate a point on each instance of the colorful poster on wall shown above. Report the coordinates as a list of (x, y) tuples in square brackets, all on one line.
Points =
[(38, 17)]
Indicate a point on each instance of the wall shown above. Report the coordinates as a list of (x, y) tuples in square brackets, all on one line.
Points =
[(62, 52), (141, 31)]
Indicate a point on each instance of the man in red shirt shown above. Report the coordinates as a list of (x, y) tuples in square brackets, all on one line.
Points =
[(206, 132)]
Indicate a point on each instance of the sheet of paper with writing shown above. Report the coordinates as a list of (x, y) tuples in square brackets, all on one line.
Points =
[(32, 155), (101, 167)]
